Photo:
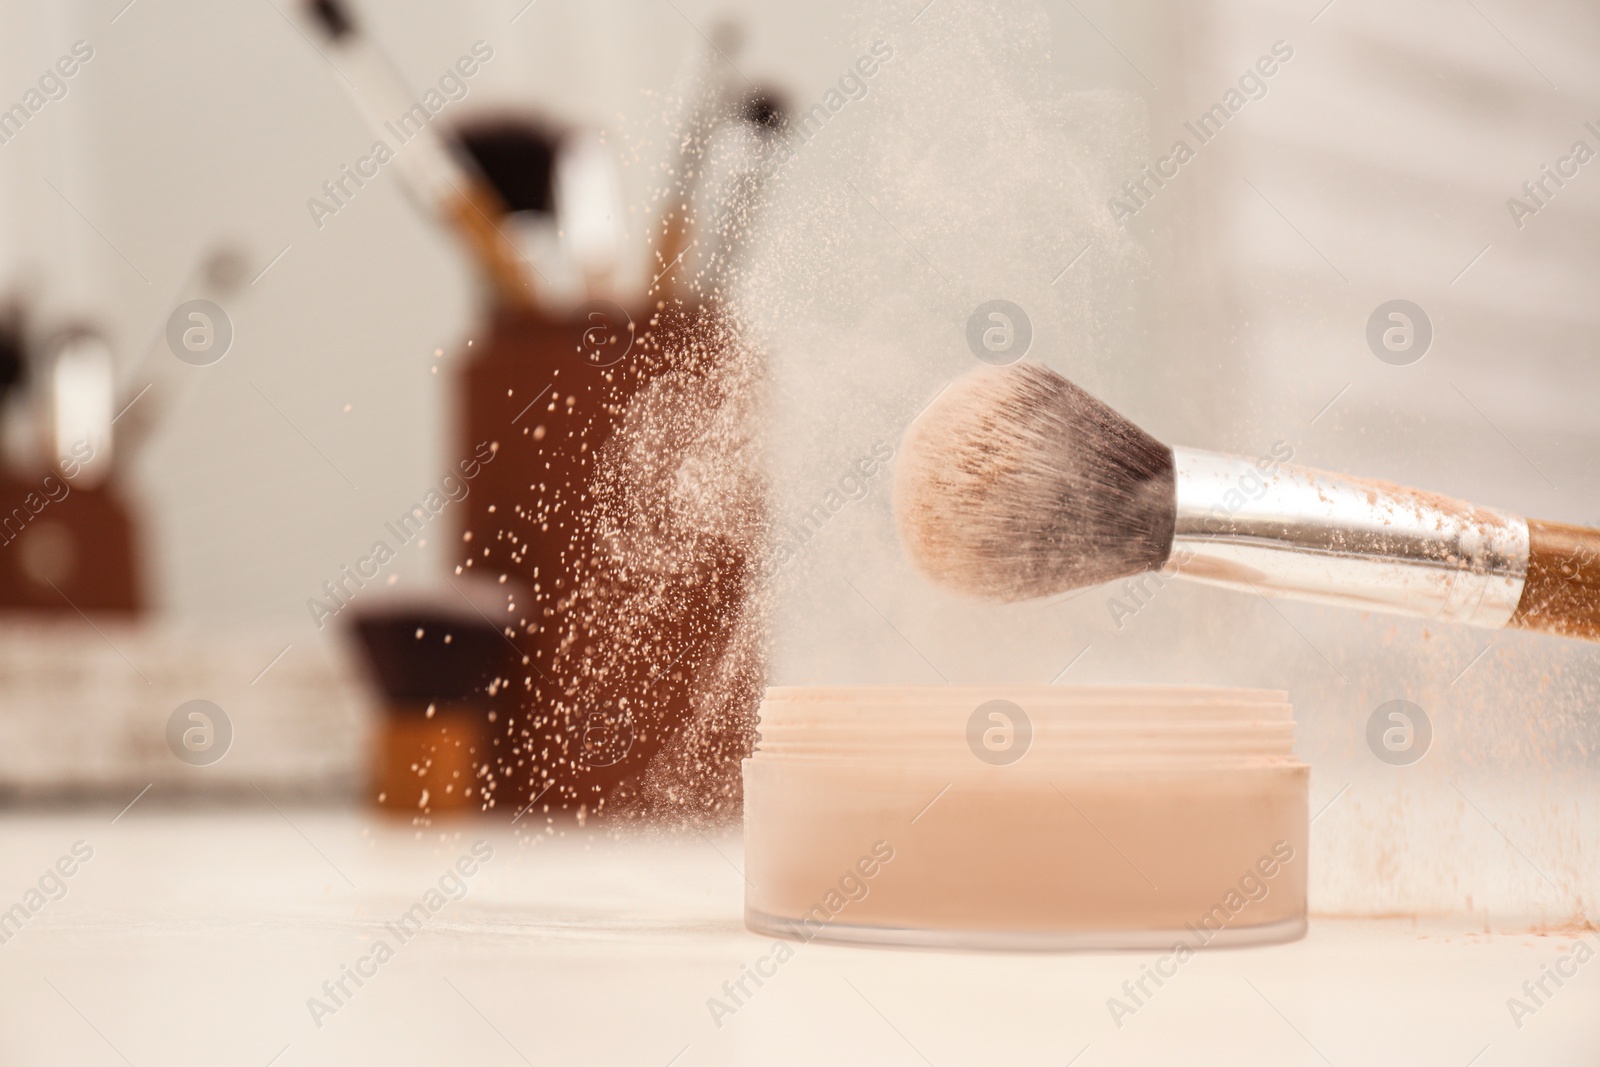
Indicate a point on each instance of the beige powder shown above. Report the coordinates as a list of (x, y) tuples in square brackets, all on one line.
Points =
[(1132, 813)]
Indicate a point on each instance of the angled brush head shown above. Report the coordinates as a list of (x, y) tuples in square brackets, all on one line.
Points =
[(1017, 484)]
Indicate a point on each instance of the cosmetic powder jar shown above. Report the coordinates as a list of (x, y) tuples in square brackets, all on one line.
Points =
[(1043, 817)]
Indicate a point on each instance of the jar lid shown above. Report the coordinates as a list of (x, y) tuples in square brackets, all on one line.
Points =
[(1054, 726)]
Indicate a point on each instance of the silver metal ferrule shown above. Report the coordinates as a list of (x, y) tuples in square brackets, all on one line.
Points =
[(1313, 535)]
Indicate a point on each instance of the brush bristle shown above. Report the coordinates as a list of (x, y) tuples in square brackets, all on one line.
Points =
[(1017, 484)]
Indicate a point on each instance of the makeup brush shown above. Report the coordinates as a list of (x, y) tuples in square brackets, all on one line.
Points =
[(435, 171), (1015, 484)]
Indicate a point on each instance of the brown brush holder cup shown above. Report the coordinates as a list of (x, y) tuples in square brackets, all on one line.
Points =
[(549, 395)]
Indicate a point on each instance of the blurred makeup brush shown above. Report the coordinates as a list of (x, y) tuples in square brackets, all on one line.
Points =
[(434, 169), (1015, 484)]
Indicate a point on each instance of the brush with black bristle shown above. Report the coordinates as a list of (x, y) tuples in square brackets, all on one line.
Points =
[(441, 671), (435, 170), (1017, 484)]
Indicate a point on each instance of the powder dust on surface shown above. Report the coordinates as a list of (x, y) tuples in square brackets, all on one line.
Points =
[(647, 705), (683, 506)]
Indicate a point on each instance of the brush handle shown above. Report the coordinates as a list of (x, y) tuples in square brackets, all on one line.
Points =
[(474, 208), (429, 166), (1561, 594), (1281, 530)]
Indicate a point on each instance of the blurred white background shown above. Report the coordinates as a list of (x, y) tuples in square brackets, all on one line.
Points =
[(1230, 314)]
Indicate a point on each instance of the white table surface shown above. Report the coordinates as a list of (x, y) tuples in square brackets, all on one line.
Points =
[(197, 938)]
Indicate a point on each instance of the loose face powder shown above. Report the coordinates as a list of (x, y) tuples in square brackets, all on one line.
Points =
[(1026, 817)]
